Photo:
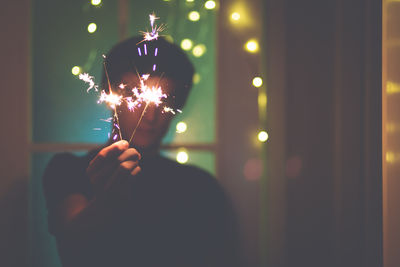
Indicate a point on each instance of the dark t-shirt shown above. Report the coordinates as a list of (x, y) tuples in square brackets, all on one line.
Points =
[(176, 215)]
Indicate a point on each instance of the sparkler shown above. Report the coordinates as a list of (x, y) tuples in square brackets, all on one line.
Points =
[(112, 100), (143, 94), (155, 30)]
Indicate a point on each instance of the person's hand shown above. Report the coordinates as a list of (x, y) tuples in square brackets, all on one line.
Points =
[(113, 165)]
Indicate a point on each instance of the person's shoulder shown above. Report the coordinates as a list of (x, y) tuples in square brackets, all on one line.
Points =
[(187, 168), (194, 175)]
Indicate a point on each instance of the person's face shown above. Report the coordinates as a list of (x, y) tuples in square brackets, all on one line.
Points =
[(154, 123)]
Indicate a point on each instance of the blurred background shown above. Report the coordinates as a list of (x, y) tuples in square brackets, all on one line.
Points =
[(294, 109)]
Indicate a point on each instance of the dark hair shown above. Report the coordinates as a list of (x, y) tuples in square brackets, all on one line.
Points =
[(171, 62)]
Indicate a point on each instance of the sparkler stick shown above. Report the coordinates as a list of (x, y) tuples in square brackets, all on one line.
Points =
[(110, 92), (137, 125)]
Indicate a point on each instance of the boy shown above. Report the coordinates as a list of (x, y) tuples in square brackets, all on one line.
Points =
[(124, 204)]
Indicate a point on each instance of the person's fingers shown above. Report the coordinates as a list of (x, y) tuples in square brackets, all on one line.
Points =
[(106, 154), (129, 154), (124, 169), (100, 175), (136, 171)]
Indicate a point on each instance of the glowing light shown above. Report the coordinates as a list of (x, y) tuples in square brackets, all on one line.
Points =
[(76, 70), (155, 30), (235, 16), (210, 4), (111, 99), (96, 2), (181, 127), (392, 157), (196, 78), (199, 50), (194, 16), (257, 82), (182, 157), (186, 44), (392, 127), (190, 1), (262, 136), (262, 99), (252, 46), (392, 88), (92, 27)]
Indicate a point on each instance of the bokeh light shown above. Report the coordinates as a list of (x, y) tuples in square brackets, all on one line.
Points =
[(235, 16), (263, 136), (95, 2), (186, 44), (181, 127), (92, 27), (257, 82), (199, 50), (252, 46), (253, 169), (76, 70), (210, 4), (194, 16), (182, 157), (294, 166), (196, 78)]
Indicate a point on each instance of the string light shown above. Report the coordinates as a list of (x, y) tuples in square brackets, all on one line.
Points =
[(194, 16), (257, 82), (262, 136), (181, 127), (186, 44), (252, 46), (210, 4), (199, 50), (182, 157), (76, 70), (95, 2), (92, 27)]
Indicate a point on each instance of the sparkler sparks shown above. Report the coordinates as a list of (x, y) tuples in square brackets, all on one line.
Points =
[(142, 95), (88, 79), (111, 99), (155, 30)]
